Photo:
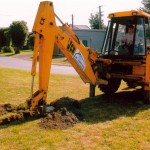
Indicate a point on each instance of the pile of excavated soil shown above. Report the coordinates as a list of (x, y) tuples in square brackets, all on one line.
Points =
[(60, 119), (69, 103), (66, 114)]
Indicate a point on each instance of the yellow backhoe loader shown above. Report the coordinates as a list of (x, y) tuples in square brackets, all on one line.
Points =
[(105, 69)]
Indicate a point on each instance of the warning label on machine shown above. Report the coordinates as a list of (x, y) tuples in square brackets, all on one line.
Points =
[(78, 57)]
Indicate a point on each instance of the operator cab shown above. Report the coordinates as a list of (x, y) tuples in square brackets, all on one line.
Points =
[(114, 43)]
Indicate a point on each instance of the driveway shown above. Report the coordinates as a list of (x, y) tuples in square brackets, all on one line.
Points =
[(17, 63)]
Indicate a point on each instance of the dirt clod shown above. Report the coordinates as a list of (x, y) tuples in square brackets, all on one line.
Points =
[(2, 110)]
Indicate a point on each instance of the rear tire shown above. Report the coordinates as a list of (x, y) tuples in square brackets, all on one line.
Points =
[(146, 96), (111, 87)]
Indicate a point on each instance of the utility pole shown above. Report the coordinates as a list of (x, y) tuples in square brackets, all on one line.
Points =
[(72, 21), (100, 17)]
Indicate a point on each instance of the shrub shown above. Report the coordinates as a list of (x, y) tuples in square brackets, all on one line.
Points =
[(7, 49), (16, 50)]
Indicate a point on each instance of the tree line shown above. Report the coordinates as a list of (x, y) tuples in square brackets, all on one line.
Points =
[(96, 22), (16, 37)]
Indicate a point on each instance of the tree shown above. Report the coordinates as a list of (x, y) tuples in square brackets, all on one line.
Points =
[(19, 34), (30, 41), (4, 37), (94, 21), (146, 6)]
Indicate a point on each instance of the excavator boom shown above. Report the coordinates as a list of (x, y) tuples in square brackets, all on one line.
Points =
[(118, 60), (47, 33)]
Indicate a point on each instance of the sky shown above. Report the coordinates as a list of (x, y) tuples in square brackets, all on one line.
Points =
[(18, 10)]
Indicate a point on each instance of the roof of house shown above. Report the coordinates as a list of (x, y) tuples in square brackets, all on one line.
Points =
[(79, 26)]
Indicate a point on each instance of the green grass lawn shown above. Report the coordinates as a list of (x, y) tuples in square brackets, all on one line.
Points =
[(115, 122)]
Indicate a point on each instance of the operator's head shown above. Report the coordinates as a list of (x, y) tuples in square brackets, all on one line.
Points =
[(130, 28)]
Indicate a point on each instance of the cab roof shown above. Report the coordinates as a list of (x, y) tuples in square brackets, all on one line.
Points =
[(129, 14)]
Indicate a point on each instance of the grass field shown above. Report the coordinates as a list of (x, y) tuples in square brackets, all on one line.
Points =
[(118, 122)]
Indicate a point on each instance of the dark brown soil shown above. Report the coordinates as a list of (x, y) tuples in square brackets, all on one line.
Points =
[(60, 119), (66, 114), (4, 109), (10, 113)]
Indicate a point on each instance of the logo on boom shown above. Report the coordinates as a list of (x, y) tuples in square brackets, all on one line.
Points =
[(70, 46)]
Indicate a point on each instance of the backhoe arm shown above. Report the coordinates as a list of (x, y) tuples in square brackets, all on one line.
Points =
[(47, 33)]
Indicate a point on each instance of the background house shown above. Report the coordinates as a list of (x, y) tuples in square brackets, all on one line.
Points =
[(89, 37)]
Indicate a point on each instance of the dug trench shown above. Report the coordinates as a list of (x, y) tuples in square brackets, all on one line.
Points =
[(64, 115), (69, 112)]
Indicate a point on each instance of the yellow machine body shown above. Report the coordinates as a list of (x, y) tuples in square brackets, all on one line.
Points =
[(105, 70)]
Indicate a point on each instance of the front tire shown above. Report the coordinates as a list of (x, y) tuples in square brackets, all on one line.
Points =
[(131, 84), (111, 87)]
